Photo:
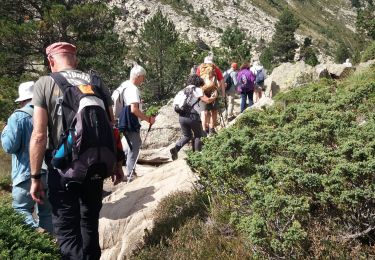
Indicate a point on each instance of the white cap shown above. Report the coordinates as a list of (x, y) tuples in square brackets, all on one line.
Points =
[(25, 91), (208, 59)]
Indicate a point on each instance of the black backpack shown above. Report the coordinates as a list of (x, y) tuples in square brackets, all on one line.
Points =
[(229, 82), (87, 137), (184, 101)]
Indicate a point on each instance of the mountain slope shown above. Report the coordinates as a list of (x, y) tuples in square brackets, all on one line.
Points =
[(326, 22)]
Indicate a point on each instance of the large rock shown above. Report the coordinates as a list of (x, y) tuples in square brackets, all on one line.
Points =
[(321, 71), (289, 75), (128, 210), (339, 71), (165, 131), (361, 67)]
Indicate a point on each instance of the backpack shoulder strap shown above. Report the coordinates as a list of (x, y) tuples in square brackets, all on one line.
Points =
[(28, 110), (96, 81), (61, 81)]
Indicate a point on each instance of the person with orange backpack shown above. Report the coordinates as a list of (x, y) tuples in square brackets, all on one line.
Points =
[(211, 73)]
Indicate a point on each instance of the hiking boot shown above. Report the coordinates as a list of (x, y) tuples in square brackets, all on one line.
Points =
[(174, 153), (212, 131)]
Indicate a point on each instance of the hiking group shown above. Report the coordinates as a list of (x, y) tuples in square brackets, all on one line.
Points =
[(206, 90), (65, 138)]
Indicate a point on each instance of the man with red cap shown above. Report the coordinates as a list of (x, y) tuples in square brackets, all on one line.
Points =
[(75, 206), (230, 79)]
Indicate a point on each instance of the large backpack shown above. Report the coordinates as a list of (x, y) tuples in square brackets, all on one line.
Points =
[(259, 76), (244, 84), (229, 81), (184, 101), (208, 73), (87, 138), (118, 100)]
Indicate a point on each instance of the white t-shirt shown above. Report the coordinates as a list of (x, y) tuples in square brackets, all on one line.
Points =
[(130, 95), (199, 107)]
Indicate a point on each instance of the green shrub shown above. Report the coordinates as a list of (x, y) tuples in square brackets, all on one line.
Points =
[(309, 159), (18, 241), (369, 53)]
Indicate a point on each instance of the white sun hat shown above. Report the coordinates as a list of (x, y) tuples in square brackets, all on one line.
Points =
[(25, 91)]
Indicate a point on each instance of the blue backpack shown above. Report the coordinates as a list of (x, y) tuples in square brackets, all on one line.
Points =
[(259, 77)]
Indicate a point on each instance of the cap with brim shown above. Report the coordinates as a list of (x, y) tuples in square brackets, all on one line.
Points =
[(61, 47), (25, 91)]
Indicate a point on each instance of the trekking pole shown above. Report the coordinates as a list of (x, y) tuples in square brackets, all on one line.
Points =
[(139, 152)]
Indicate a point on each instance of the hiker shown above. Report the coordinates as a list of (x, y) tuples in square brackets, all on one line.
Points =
[(75, 196), (127, 96), (260, 75), (190, 122), (210, 72), (245, 85), (230, 79), (15, 140), (347, 63)]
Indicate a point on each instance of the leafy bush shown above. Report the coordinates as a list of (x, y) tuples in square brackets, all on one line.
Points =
[(298, 178), (18, 241), (369, 53)]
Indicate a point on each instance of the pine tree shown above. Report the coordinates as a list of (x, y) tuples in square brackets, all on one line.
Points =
[(165, 57), (366, 20), (236, 45), (283, 42), (28, 27)]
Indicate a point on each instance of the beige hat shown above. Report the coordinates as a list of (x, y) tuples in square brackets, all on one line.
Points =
[(25, 91)]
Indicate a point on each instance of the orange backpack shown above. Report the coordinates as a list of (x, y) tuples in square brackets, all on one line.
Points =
[(208, 74)]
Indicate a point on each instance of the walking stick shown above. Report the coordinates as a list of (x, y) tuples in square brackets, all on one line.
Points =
[(139, 152)]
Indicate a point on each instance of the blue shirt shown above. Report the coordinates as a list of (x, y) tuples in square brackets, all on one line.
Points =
[(15, 140)]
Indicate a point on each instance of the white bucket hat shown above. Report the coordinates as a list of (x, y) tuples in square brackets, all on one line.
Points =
[(25, 91)]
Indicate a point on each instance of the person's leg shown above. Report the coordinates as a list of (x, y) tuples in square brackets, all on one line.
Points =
[(136, 142), (207, 115), (64, 199), (251, 96), (185, 123), (44, 210), (23, 203), (230, 105), (243, 101), (213, 119), (91, 203), (198, 133)]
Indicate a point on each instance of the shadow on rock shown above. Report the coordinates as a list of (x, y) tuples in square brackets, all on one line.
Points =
[(128, 204)]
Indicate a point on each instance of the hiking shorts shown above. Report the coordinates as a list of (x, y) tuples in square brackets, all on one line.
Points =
[(212, 106)]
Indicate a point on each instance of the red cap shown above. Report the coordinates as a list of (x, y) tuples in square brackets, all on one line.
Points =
[(234, 66), (61, 47)]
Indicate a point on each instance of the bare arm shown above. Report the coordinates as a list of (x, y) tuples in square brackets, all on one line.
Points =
[(222, 87), (207, 100), (136, 111), (111, 116), (38, 143)]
